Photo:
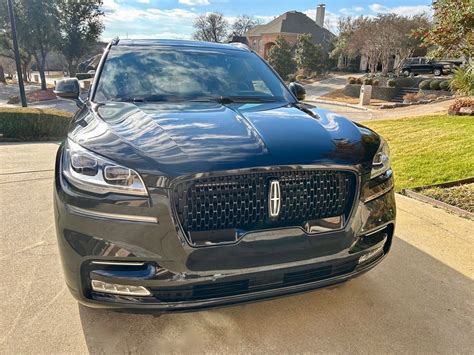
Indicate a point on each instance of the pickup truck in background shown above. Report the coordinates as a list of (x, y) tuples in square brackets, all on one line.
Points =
[(423, 65)]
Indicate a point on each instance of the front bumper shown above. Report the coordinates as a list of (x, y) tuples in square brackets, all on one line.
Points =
[(146, 304), (180, 277)]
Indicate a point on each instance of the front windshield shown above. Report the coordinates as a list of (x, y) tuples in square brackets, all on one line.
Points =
[(180, 73)]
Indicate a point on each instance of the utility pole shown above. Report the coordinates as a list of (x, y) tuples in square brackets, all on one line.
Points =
[(17, 53)]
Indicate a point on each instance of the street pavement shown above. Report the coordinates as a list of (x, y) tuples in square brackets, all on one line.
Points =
[(418, 300)]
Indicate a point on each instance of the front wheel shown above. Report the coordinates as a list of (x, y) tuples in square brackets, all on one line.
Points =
[(437, 72)]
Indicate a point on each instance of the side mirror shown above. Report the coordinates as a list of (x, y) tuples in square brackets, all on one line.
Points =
[(298, 90), (67, 89)]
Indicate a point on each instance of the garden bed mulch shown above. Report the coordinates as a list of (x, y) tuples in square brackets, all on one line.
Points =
[(455, 196), (34, 96), (339, 96)]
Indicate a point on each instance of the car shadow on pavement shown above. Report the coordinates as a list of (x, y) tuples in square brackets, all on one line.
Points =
[(411, 302)]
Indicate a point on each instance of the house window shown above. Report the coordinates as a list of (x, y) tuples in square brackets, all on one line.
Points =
[(254, 44), (259, 44)]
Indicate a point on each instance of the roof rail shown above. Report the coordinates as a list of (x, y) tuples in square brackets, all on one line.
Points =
[(240, 45)]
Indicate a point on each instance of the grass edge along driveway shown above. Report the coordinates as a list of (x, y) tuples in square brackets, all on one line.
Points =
[(428, 150)]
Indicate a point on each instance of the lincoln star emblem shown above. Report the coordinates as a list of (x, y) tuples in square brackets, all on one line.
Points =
[(274, 198)]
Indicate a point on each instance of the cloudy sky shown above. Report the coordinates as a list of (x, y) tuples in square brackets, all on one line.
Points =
[(174, 18)]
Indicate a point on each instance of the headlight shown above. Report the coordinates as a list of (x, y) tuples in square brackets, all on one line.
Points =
[(90, 172), (381, 162)]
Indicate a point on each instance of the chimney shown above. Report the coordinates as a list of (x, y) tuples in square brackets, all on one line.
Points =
[(320, 10)]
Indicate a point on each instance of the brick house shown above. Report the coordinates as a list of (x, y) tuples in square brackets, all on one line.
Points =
[(289, 25)]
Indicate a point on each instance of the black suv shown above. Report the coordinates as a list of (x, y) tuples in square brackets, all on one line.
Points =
[(192, 176), (422, 65)]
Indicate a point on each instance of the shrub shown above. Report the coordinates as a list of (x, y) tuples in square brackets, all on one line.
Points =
[(463, 80), (434, 85), (351, 80), (368, 81), (376, 83), (459, 103), (30, 124), (410, 97), (359, 81), (444, 85), (391, 83), (291, 78), (300, 77), (425, 85)]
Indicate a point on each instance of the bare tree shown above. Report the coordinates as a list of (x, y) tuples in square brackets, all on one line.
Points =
[(243, 24), (212, 27), (380, 38)]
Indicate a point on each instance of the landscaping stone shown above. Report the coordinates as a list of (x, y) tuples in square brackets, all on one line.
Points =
[(388, 106), (466, 111), (365, 95), (437, 92)]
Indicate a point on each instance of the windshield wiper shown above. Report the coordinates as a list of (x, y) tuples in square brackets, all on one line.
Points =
[(224, 100)]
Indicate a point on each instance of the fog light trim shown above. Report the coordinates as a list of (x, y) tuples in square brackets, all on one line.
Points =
[(117, 289), (370, 255)]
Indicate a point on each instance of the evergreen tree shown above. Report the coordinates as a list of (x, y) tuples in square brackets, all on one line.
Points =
[(310, 57), (80, 26), (280, 58)]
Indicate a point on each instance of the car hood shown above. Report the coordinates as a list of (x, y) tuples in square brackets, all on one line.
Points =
[(183, 139)]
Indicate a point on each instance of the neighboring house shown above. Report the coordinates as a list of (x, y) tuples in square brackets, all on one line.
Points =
[(289, 25)]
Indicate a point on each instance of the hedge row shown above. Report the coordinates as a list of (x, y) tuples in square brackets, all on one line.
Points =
[(33, 124), (434, 85)]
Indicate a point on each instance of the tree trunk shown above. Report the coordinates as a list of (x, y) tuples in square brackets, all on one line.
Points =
[(71, 69), (24, 71), (2, 75), (41, 64)]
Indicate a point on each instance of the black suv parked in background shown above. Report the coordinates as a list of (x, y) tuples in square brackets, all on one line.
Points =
[(422, 65), (192, 176)]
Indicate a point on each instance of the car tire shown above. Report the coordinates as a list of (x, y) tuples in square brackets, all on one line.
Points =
[(406, 72), (438, 72)]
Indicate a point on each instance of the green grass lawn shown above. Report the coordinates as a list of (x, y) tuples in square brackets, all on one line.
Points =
[(429, 149)]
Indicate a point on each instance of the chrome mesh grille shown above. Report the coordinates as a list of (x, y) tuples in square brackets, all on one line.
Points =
[(241, 201)]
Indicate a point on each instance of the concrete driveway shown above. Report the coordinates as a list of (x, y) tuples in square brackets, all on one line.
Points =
[(419, 300), (326, 86)]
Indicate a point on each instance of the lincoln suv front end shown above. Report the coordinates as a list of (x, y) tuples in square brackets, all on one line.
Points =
[(192, 177)]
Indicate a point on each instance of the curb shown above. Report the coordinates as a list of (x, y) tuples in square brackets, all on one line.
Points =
[(469, 180), (456, 210), (335, 103)]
